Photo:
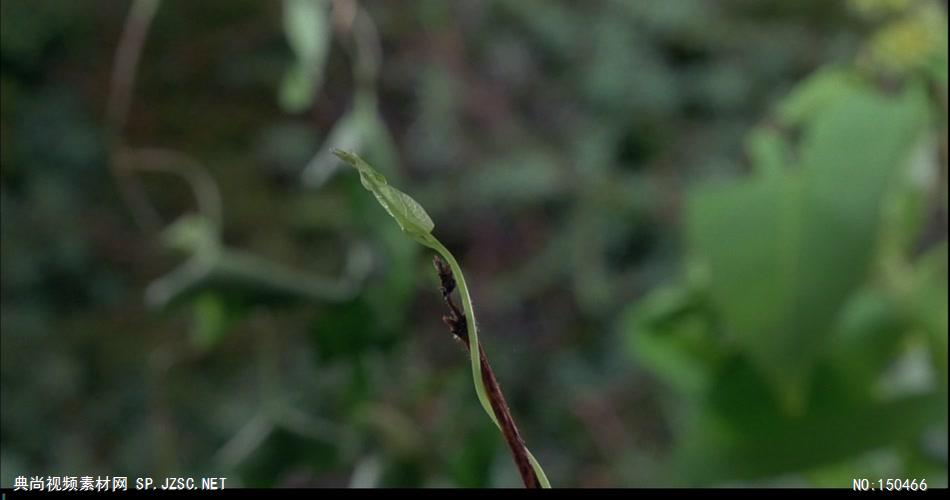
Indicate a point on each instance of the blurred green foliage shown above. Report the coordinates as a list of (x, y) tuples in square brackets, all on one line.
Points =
[(707, 241)]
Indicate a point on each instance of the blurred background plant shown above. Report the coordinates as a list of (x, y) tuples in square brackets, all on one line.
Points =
[(707, 240)]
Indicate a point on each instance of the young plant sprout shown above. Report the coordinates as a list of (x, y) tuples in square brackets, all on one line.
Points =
[(415, 222)]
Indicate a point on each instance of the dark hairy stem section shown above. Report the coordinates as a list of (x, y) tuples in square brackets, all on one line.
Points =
[(455, 320)]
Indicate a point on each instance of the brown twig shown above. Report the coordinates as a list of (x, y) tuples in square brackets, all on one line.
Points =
[(459, 328)]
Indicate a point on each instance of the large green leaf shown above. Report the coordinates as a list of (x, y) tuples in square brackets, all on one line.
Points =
[(767, 151), (670, 333), (743, 433), (927, 304), (867, 338), (813, 95), (784, 251)]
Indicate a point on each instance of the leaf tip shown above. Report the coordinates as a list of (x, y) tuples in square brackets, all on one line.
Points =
[(346, 156)]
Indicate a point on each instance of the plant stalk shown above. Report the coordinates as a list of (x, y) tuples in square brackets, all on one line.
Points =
[(457, 321)]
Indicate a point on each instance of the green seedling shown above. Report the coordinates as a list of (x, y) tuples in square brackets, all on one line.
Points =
[(415, 222)]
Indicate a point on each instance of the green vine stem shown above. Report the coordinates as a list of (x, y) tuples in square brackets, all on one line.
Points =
[(415, 222), (531, 472)]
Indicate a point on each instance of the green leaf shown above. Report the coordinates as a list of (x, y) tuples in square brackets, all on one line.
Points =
[(348, 133), (812, 95), (409, 214), (296, 90), (866, 338), (743, 433), (308, 33), (213, 316), (767, 151), (669, 334), (927, 303), (785, 251)]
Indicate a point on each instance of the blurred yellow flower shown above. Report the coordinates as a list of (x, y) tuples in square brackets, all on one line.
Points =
[(910, 42)]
